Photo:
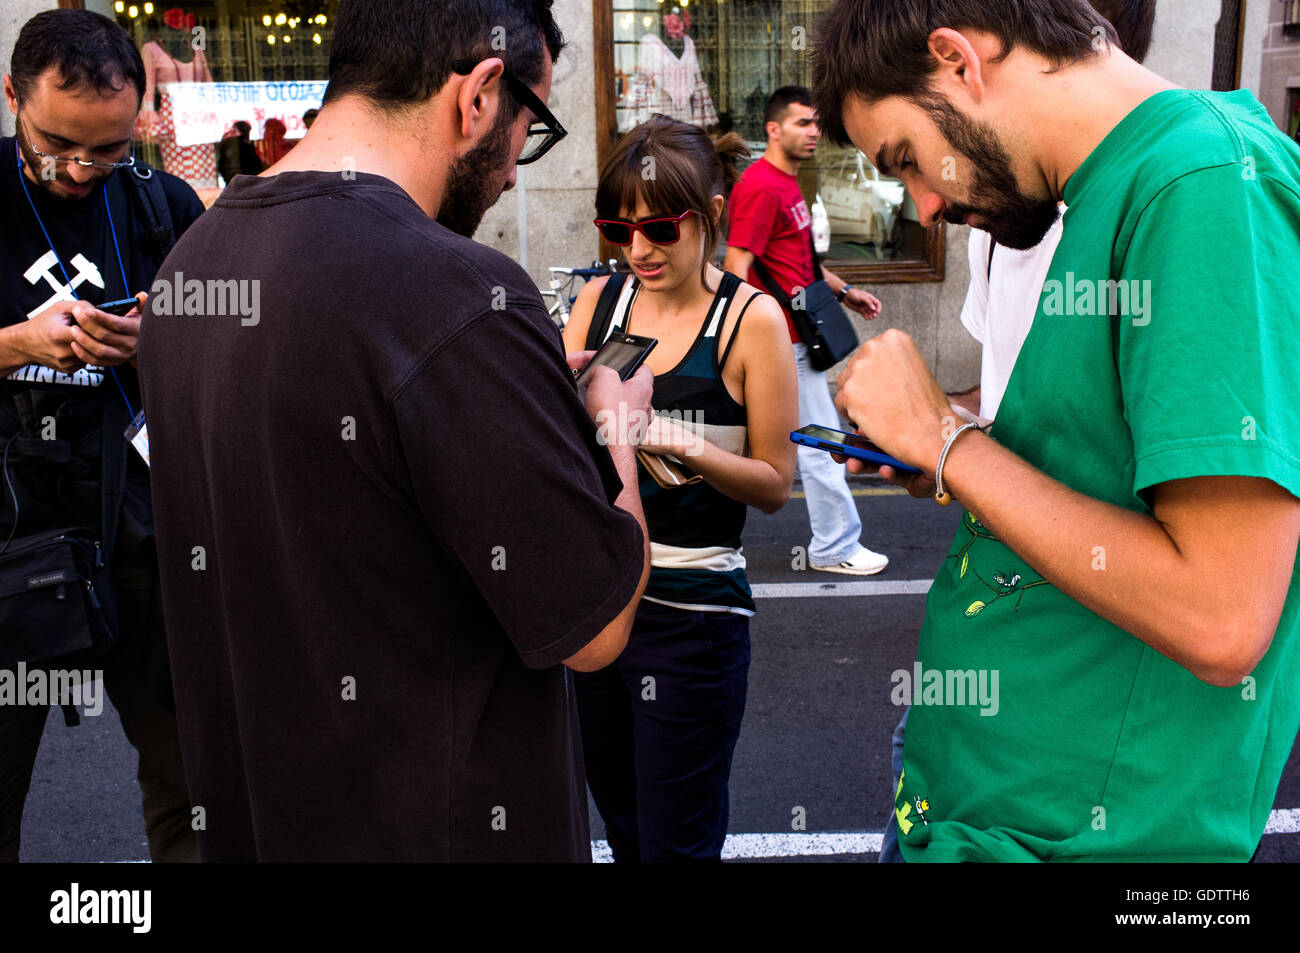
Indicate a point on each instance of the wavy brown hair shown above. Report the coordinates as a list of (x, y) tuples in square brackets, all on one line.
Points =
[(673, 166)]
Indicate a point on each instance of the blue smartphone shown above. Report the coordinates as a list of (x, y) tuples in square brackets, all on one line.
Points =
[(120, 307), (849, 444)]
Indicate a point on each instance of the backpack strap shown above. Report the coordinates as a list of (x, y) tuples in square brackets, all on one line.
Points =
[(160, 233), (602, 319), (160, 236)]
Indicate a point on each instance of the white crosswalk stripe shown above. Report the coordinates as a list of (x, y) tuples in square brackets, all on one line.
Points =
[(874, 587), (753, 846)]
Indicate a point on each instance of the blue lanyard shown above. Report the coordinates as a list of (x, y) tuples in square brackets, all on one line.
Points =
[(67, 281)]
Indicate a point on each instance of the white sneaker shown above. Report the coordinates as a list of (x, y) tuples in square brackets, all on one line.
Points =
[(865, 563)]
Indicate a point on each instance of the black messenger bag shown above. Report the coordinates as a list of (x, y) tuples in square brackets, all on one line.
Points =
[(54, 600), (821, 322)]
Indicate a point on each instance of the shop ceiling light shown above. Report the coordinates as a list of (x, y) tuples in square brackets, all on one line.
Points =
[(148, 9), (266, 19), (315, 38), (281, 19), (120, 7), (133, 11), (270, 38)]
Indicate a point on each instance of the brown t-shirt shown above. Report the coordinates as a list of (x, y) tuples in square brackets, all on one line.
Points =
[(405, 522)]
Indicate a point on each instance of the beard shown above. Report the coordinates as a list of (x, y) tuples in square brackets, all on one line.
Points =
[(1013, 218), (37, 167), (797, 153), (469, 192)]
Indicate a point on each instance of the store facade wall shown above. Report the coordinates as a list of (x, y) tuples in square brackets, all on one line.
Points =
[(555, 203), (1279, 79), (546, 220), (555, 197), (13, 14), (1182, 46)]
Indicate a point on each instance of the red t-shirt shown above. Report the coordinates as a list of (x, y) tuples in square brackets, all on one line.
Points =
[(770, 219)]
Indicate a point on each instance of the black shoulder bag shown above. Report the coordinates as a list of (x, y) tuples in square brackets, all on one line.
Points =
[(821, 322)]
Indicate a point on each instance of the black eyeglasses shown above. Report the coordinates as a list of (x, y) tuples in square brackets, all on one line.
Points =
[(658, 231), (544, 133)]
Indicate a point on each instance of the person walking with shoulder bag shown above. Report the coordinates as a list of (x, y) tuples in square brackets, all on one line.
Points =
[(770, 242)]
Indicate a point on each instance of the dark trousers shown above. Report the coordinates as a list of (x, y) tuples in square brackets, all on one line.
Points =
[(149, 727), (658, 730)]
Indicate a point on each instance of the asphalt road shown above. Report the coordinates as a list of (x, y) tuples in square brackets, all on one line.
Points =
[(816, 732)]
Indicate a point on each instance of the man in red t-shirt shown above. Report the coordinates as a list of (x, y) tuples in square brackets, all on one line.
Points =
[(770, 221)]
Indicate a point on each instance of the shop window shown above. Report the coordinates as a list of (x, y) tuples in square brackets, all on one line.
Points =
[(714, 63), (1291, 17), (214, 65)]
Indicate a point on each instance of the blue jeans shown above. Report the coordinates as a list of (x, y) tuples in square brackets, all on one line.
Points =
[(889, 852), (836, 526), (659, 727)]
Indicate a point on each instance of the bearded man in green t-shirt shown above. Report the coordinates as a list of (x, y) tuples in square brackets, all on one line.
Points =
[(1109, 667)]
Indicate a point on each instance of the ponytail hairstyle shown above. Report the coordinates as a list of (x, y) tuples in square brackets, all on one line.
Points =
[(673, 166)]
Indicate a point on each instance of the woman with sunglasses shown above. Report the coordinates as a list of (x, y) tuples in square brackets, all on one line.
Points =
[(659, 725)]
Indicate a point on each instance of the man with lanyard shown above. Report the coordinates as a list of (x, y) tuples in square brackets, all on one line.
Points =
[(77, 232)]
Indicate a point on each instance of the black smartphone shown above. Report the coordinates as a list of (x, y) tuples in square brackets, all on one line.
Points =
[(120, 308), (623, 352)]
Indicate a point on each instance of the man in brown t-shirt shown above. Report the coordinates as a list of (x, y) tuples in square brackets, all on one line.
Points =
[(384, 518)]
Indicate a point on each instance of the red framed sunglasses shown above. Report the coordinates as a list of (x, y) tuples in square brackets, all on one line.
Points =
[(658, 231)]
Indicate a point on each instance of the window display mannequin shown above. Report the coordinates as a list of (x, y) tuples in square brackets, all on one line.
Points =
[(668, 78), (170, 58)]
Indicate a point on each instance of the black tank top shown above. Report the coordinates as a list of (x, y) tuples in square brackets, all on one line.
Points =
[(696, 560)]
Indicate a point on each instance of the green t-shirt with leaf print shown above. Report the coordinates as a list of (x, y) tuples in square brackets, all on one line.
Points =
[(1166, 346)]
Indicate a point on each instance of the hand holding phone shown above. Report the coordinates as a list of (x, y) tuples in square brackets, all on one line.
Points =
[(848, 444), (121, 308), (104, 335), (622, 352)]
